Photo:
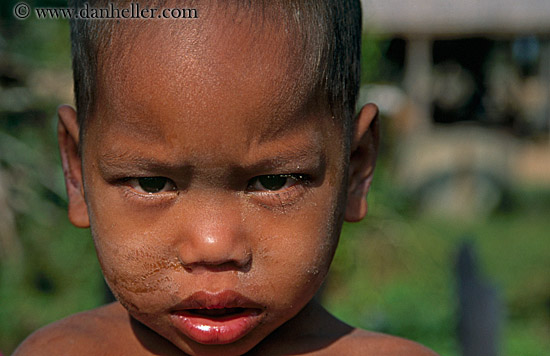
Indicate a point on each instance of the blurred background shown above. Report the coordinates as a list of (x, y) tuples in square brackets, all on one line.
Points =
[(455, 251)]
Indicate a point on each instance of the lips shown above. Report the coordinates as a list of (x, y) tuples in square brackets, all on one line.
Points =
[(216, 318)]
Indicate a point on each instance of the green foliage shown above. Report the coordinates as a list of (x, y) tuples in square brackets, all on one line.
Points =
[(57, 276), (371, 56), (48, 268)]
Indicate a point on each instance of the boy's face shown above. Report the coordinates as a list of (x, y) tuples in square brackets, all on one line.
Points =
[(214, 182)]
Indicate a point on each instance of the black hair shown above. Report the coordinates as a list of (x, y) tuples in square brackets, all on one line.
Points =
[(331, 30)]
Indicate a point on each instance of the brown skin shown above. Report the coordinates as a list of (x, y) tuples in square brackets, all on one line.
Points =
[(215, 116)]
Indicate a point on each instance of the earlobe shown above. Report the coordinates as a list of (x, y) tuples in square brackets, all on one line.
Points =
[(68, 137), (364, 151)]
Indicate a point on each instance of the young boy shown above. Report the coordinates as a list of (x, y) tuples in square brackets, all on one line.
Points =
[(215, 159)]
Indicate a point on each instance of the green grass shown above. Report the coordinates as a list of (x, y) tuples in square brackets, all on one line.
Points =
[(394, 273)]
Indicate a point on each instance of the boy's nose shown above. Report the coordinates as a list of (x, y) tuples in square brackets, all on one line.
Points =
[(214, 238)]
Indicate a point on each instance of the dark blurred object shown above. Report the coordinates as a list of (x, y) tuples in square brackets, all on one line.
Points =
[(480, 310), (526, 52)]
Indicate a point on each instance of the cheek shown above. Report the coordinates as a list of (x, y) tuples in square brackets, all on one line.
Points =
[(137, 267), (296, 248)]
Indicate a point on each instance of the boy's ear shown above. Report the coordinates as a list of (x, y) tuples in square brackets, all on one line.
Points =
[(364, 150), (68, 137)]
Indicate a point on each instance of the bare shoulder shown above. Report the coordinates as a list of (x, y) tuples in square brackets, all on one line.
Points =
[(83, 333), (314, 331), (361, 342)]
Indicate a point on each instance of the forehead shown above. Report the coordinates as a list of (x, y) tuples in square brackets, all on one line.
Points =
[(224, 61)]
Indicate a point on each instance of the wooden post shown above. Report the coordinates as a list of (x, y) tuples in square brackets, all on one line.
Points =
[(544, 72), (417, 80)]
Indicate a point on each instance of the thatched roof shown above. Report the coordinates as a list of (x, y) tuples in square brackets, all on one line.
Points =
[(457, 17)]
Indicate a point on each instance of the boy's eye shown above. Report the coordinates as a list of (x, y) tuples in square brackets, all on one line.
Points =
[(152, 185), (274, 182)]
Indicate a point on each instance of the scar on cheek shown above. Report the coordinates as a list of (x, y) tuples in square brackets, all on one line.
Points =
[(139, 276), (151, 263), (142, 285)]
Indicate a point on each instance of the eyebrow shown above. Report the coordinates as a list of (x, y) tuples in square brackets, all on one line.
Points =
[(130, 160), (300, 157)]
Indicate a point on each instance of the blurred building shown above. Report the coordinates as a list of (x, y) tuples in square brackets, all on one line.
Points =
[(471, 110)]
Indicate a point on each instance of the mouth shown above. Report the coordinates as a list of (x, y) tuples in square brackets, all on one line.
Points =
[(217, 313), (216, 318)]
